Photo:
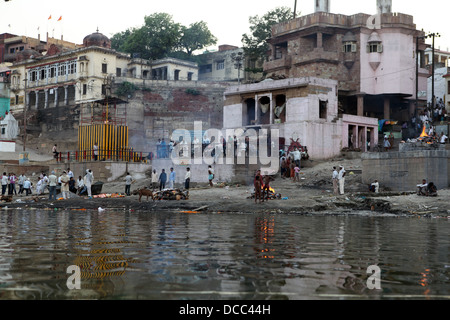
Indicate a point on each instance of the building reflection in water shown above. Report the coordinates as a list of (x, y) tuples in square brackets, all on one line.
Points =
[(173, 255)]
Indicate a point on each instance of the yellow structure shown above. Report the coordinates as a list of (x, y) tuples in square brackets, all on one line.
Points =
[(111, 141)]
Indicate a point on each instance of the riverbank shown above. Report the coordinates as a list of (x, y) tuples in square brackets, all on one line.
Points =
[(311, 195)]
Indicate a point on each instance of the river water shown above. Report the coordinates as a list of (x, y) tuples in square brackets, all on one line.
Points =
[(174, 255)]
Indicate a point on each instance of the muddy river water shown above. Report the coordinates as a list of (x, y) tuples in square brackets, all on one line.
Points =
[(67, 254)]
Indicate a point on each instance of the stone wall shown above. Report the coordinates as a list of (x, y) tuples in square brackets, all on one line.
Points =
[(104, 171), (154, 111), (402, 171), (162, 107)]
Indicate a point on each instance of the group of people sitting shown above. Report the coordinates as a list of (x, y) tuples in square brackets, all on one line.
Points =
[(427, 189)]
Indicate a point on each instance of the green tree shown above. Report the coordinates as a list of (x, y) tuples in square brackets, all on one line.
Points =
[(196, 37), (161, 37), (118, 40), (255, 43)]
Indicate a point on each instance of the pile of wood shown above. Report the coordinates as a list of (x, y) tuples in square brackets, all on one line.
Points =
[(271, 195), (171, 194)]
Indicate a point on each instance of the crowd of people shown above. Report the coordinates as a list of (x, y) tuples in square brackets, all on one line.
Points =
[(290, 165), (158, 181), (48, 183)]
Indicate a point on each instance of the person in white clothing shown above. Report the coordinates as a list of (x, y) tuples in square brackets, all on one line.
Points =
[(187, 178), (443, 139), (375, 186), (335, 181), (341, 178), (88, 179), (155, 179)]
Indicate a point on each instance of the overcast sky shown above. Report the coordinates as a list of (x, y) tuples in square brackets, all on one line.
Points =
[(227, 20)]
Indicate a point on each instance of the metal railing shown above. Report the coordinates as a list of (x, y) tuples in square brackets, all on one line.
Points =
[(116, 155)]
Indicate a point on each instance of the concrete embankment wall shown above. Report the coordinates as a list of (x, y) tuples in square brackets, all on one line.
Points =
[(402, 171), (105, 171)]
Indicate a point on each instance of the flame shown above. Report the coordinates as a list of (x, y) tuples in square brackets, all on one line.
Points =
[(424, 133), (270, 189)]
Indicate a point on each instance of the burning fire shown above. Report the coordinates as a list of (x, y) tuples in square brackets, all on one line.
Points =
[(424, 133), (270, 189)]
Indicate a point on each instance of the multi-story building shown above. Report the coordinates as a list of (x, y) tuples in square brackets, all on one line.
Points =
[(441, 57), (12, 46), (69, 77), (66, 90), (220, 66), (378, 60), (4, 96)]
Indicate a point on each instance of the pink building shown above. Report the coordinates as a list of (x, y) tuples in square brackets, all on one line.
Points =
[(373, 58), (300, 108)]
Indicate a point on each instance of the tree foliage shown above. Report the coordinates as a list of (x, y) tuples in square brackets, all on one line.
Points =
[(196, 37), (255, 42), (161, 37)]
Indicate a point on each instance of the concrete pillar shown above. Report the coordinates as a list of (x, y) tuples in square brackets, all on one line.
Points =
[(46, 99), (37, 99), (66, 95), (319, 40), (355, 137), (384, 6), (27, 100), (387, 108), (271, 109), (256, 109), (56, 97), (364, 140), (322, 6), (360, 111)]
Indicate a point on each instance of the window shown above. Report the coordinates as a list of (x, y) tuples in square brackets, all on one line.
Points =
[(177, 75), (374, 47), (43, 74), (190, 74), (323, 109), (349, 46), (62, 69), (104, 89), (220, 65), (84, 89), (118, 72), (73, 67), (52, 72), (205, 68), (448, 85), (104, 68), (278, 53)]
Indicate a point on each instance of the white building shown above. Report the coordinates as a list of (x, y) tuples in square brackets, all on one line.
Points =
[(69, 77)]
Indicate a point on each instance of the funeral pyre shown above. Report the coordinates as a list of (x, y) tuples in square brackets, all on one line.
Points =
[(270, 194), (424, 141), (171, 194), (167, 194)]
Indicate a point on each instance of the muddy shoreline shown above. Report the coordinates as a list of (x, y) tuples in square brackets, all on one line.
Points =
[(312, 194), (353, 203)]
